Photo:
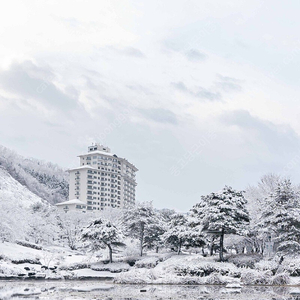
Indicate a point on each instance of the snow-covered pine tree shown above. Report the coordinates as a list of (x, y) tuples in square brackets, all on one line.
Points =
[(176, 234), (181, 234), (256, 197), (141, 222), (153, 239), (222, 213), (101, 234), (281, 217)]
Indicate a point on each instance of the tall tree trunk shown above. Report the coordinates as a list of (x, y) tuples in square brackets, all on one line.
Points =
[(211, 250), (110, 253), (221, 245), (179, 247), (142, 238)]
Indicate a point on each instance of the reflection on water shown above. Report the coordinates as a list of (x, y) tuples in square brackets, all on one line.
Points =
[(99, 290)]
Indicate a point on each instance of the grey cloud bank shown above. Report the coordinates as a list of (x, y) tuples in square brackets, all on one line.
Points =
[(151, 81), (28, 81)]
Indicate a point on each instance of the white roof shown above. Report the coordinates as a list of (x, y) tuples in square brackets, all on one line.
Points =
[(73, 201), (83, 167), (97, 152)]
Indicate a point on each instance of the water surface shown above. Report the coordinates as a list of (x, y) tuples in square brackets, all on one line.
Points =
[(106, 290)]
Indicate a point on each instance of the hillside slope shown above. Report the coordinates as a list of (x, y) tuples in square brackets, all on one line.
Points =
[(16, 203), (46, 180), (15, 194)]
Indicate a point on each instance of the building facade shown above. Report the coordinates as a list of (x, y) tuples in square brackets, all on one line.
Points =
[(103, 180)]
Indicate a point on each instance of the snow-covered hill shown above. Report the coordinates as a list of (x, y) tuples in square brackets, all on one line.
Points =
[(16, 203), (13, 194), (44, 179)]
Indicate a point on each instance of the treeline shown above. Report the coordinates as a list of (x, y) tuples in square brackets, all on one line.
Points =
[(272, 213)]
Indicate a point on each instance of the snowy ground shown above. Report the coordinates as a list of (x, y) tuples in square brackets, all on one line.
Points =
[(19, 262), (58, 263)]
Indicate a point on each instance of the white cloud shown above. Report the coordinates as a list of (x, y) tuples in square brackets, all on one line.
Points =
[(177, 67)]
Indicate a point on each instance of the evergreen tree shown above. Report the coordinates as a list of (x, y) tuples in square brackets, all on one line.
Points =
[(142, 222), (181, 234), (101, 234), (281, 217), (222, 213)]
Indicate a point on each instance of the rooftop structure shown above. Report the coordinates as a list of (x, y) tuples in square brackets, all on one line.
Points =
[(71, 205)]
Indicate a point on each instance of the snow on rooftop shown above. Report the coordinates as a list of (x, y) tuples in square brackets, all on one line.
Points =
[(108, 154), (69, 202), (97, 152), (82, 167)]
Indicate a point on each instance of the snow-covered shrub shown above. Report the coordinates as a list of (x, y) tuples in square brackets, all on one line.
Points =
[(291, 266), (215, 278), (34, 261), (130, 260), (135, 276), (29, 245), (189, 280), (252, 277), (244, 260), (7, 269), (74, 266), (267, 265), (113, 268), (205, 268), (280, 279), (148, 262)]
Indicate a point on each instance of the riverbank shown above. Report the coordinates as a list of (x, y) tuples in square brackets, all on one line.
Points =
[(24, 263)]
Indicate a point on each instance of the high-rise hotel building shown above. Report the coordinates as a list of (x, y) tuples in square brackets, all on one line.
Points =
[(103, 180)]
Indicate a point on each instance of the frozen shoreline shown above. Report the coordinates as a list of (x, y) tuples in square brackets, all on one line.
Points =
[(23, 264)]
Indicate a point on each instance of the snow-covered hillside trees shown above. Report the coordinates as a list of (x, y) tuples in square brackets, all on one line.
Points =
[(29, 188), (46, 180)]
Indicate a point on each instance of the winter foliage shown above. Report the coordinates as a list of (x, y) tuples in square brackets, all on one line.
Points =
[(222, 213), (281, 218), (142, 222), (180, 234), (223, 237), (46, 180), (100, 234)]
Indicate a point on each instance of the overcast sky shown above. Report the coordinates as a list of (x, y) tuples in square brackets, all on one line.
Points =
[(197, 94)]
